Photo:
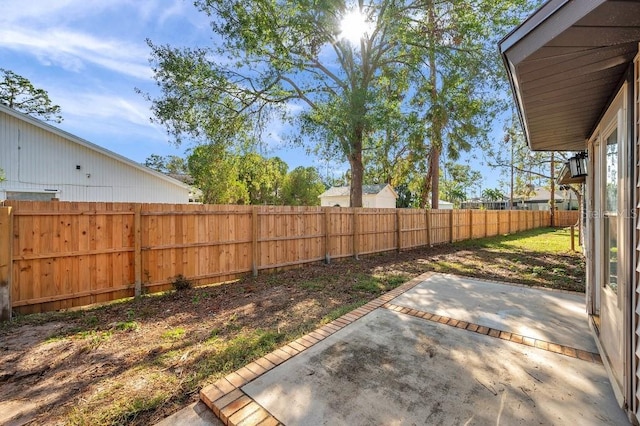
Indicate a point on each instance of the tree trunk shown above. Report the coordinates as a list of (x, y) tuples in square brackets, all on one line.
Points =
[(357, 170), (437, 113), (426, 186), (434, 168)]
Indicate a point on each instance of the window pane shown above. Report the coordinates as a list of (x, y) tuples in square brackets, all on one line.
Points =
[(612, 173), (30, 196), (611, 212), (611, 229)]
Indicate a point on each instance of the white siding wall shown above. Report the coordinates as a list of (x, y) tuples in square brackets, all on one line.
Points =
[(384, 199), (34, 159), (332, 201), (369, 200)]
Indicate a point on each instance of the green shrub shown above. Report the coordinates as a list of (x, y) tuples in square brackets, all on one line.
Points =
[(180, 282)]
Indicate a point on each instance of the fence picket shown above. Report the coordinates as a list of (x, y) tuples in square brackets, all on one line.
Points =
[(73, 254)]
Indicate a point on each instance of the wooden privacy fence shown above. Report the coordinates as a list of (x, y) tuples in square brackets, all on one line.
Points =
[(57, 255), (566, 218)]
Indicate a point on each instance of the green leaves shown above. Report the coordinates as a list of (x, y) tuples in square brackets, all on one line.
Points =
[(302, 187), (492, 194), (420, 80), (171, 164), (250, 178), (458, 180), (215, 173), (18, 93)]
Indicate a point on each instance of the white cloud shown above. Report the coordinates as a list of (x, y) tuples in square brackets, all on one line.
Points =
[(103, 107), (44, 12), (90, 54), (72, 50), (15, 11), (176, 9), (73, 34)]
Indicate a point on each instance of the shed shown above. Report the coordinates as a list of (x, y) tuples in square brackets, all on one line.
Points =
[(42, 162), (380, 196), (445, 205)]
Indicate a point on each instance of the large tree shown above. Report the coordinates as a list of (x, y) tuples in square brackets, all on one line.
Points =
[(415, 69), (457, 90), (290, 58), (18, 92), (463, 82)]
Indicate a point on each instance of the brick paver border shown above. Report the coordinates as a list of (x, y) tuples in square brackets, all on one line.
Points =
[(233, 407), (500, 334)]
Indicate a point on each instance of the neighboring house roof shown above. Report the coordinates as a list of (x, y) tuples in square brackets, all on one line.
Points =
[(73, 138), (543, 195), (564, 62), (342, 191)]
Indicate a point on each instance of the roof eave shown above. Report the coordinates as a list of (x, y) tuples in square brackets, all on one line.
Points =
[(546, 23)]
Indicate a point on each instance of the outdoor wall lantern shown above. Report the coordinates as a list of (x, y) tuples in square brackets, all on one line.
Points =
[(578, 165)]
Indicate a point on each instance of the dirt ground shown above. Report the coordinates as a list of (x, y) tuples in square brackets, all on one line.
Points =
[(135, 362)]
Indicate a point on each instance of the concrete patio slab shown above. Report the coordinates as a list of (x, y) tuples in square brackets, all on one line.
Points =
[(515, 356), (553, 316), (392, 368)]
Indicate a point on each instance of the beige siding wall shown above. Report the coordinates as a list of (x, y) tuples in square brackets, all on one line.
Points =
[(636, 261), (384, 199), (332, 201), (37, 160)]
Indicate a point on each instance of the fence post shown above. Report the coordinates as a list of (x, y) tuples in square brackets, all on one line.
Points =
[(399, 228), (509, 228), (254, 241), (486, 223), (137, 255), (470, 224), (327, 236), (428, 218), (451, 225), (6, 261), (573, 236), (356, 233)]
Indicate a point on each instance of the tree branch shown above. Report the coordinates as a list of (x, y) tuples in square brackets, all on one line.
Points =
[(519, 169), (301, 95)]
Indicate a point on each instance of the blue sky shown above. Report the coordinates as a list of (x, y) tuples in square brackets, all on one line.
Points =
[(90, 55)]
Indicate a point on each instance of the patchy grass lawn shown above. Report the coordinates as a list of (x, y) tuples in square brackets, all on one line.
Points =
[(137, 361), (540, 257)]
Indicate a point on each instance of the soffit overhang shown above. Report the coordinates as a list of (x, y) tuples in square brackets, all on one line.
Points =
[(565, 62)]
